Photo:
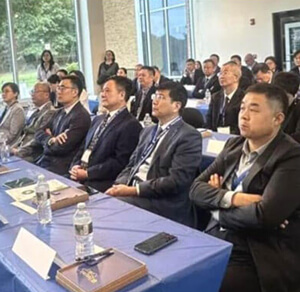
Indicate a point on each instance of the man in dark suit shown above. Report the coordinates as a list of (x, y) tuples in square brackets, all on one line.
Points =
[(110, 140), (262, 73), (191, 74), (252, 190), (165, 162), (142, 103), (247, 77), (135, 83), (225, 104), (290, 82), (250, 61), (62, 136), (216, 60), (209, 82), (296, 69), (26, 147), (158, 77)]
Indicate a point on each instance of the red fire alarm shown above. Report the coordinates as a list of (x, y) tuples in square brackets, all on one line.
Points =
[(252, 21)]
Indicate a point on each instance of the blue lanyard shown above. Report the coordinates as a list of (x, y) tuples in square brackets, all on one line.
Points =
[(238, 179)]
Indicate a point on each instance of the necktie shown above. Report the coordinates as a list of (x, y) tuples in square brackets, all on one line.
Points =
[(140, 103), (226, 102), (99, 131), (33, 117), (3, 114)]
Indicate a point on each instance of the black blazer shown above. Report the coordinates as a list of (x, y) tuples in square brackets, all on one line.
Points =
[(57, 158), (173, 168), (296, 71), (162, 79), (247, 73), (291, 124), (186, 80), (213, 85), (147, 104), (255, 228), (213, 119), (112, 151)]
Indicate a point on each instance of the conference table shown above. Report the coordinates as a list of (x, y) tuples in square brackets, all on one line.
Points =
[(196, 262)]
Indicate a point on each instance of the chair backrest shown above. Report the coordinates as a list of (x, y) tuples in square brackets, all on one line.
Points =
[(193, 117)]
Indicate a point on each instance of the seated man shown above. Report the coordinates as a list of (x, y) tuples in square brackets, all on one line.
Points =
[(290, 82), (26, 147), (216, 59), (165, 162), (209, 82), (296, 69), (158, 77), (142, 103), (252, 190), (247, 77), (110, 140), (62, 136), (225, 104), (250, 61), (191, 74), (262, 73)]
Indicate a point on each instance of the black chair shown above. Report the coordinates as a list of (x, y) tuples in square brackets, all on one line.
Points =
[(193, 117)]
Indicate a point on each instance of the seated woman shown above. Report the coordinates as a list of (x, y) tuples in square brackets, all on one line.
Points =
[(107, 68), (47, 67), (12, 120), (84, 97)]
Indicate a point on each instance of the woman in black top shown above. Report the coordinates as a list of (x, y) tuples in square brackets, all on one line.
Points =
[(107, 68)]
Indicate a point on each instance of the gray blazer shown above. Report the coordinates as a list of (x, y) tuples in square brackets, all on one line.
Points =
[(27, 147), (13, 123), (173, 168)]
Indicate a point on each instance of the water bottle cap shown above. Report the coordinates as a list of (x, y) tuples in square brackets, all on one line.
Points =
[(41, 177), (81, 205)]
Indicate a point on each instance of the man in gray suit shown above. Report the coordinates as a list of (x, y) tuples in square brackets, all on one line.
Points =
[(26, 147), (165, 162)]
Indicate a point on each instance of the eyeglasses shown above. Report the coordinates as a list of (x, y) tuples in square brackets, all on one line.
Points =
[(63, 88), (36, 91), (158, 97)]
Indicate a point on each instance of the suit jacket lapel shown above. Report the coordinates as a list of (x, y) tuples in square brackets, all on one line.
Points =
[(91, 133)]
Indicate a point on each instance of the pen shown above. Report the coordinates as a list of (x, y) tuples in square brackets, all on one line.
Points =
[(105, 252)]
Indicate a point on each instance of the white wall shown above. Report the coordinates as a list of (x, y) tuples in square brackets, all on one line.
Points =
[(223, 26)]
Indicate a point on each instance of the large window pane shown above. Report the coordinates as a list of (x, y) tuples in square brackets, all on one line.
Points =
[(175, 2), (155, 4), (158, 41), (43, 25), (144, 39), (5, 51), (177, 39)]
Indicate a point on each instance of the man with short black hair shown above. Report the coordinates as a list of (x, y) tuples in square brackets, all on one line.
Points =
[(62, 136), (296, 69), (252, 191), (209, 82), (158, 77), (165, 162), (142, 104), (262, 73), (216, 60), (111, 139), (191, 75), (247, 77)]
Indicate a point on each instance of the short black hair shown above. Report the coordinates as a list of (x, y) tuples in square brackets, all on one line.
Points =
[(296, 53), (272, 58), (124, 69), (149, 69), (80, 75), (155, 68), (215, 55), (53, 79), (190, 60), (262, 67), (123, 84), (288, 81), (75, 81), (177, 92), (63, 71), (236, 57), (209, 61), (273, 93), (13, 86)]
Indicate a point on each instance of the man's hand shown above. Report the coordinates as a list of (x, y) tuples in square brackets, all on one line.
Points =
[(14, 151), (48, 132), (121, 190), (243, 199), (77, 173), (61, 138), (215, 180)]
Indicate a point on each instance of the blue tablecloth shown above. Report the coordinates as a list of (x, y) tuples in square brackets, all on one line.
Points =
[(196, 262)]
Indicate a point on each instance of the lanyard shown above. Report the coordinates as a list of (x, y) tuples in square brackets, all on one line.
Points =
[(238, 179)]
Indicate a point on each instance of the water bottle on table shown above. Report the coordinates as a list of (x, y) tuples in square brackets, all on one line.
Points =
[(4, 149), (83, 226), (44, 212), (147, 120), (207, 96)]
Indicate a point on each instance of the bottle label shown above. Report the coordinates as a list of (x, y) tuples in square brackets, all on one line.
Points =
[(83, 229), (41, 196)]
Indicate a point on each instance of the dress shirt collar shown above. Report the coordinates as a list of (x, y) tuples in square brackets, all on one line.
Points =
[(69, 108), (230, 95), (164, 126)]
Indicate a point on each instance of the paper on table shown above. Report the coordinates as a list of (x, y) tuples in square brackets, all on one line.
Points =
[(24, 207), (215, 146), (35, 253), (98, 248), (224, 130), (28, 192)]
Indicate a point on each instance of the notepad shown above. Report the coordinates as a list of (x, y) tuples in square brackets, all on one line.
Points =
[(215, 146)]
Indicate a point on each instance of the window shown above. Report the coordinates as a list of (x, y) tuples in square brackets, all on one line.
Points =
[(37, 25), (164, 34)]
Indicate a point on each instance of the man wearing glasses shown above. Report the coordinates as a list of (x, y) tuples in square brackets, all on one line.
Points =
[(165, 162), (62, 136), (26, 147)]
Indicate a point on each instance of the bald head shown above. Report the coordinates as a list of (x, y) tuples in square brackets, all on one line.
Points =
[(40, 93)]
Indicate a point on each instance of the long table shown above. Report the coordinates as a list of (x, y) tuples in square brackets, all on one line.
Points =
[(196, 262)]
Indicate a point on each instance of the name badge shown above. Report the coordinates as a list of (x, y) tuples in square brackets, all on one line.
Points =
[(224, 130), (86, 156)]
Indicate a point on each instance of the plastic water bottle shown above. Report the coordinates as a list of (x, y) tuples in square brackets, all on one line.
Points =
[(44, 212), (83, 225), (147, 120), (5, 151), (207, 96)]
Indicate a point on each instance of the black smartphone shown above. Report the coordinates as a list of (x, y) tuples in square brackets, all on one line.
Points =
[(155, 243), (18, 183), (88, 189)]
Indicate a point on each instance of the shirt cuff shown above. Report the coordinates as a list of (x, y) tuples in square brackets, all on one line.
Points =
[(226, 201), (50, 142), (215, 215)]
